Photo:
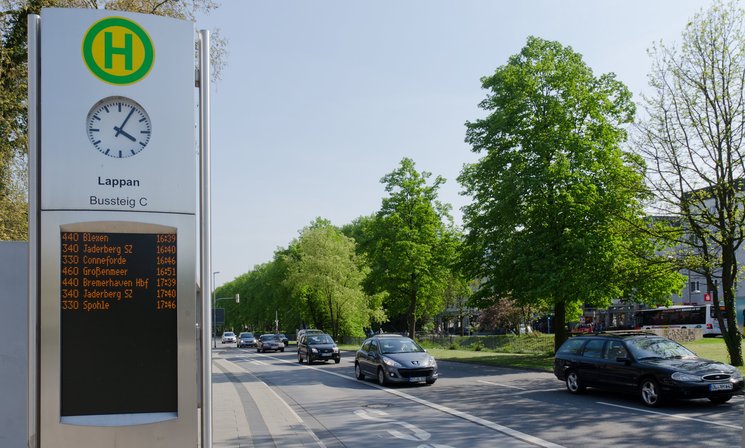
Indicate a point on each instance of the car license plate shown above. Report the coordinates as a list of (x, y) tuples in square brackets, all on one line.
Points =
[(417, 379), (325, 354), (723, 386)]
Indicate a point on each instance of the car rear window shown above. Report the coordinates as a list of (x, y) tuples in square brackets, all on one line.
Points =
[(571, 346)]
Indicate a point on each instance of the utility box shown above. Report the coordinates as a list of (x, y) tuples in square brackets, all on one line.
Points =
[(14, 346)]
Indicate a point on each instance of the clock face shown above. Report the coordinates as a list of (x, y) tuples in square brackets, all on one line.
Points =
[(118, 127)]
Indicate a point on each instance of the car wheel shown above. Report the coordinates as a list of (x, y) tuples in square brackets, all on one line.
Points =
[(381, 377), (282, 350), (358, 372), (721, 399), (337, 361), (573, 383), (257, 350), (650, 393)]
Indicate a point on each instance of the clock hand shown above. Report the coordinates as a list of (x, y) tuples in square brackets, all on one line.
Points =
[(119, 130)]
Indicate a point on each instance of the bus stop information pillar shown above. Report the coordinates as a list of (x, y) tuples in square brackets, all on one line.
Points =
[(113, 230)]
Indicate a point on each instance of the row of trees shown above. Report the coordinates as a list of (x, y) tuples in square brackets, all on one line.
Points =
[(565, 210), (396, 264)]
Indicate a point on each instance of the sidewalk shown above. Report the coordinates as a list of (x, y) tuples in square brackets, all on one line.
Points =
[(248, 413)]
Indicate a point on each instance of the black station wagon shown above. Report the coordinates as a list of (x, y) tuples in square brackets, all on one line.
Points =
[(655, 367)]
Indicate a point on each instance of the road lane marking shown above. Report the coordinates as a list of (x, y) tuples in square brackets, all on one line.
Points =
[(419, 435), (454, 412), (500, 384), (533, 391), (523, 391), (679, 417)]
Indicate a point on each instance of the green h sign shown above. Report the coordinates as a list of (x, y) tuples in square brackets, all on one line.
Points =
[(118, 51)]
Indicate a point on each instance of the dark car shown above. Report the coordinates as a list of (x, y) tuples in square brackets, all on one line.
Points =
[(317, 347), (268, 342), (283, 338), (652, 366), (302, 332), (246, 339), (394, 359)]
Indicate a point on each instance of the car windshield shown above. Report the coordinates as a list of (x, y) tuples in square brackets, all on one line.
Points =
[(229, 334), (399, 346), (658, 348), (320, 339), (269, 337), (246, 335)]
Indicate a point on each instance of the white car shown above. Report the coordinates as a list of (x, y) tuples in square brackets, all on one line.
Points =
[(228, 337)]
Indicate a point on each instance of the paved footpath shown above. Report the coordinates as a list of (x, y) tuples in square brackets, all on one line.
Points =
[(248, 413)]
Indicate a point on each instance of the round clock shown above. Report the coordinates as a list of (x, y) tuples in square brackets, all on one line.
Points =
[(118, 127)]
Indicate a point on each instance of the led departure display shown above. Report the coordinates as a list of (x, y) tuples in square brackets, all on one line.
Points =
[(118, 302)]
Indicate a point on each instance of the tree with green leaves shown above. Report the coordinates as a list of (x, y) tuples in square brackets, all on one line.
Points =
[(412, 245), (557, 204), (14, 95), (693, 141), (457, 301), (326, 274)]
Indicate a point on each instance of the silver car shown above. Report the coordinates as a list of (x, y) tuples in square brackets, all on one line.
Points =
[(394, 359), (228, 337), (268, 342)]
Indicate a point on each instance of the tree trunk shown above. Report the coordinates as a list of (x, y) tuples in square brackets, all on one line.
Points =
[(560, 327), (728, 319), (412, 315)]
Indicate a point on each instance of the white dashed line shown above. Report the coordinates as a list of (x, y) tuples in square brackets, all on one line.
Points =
[(679, 417), (501, 385)]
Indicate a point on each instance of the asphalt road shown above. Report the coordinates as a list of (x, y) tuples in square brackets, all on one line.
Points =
[(479, 406)]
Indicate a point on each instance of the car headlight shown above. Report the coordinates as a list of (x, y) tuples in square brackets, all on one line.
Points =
[(314, 350), (680, 376), (431, 362), (736, 374), (336, 349), (390, 362)]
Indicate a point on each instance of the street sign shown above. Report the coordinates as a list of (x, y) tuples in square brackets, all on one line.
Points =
[(218, 315)]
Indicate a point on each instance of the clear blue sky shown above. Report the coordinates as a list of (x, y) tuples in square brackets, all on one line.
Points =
[(320, 99)]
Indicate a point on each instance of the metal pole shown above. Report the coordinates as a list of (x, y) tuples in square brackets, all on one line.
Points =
[(34, 111), (214, 319), (206, 234)]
